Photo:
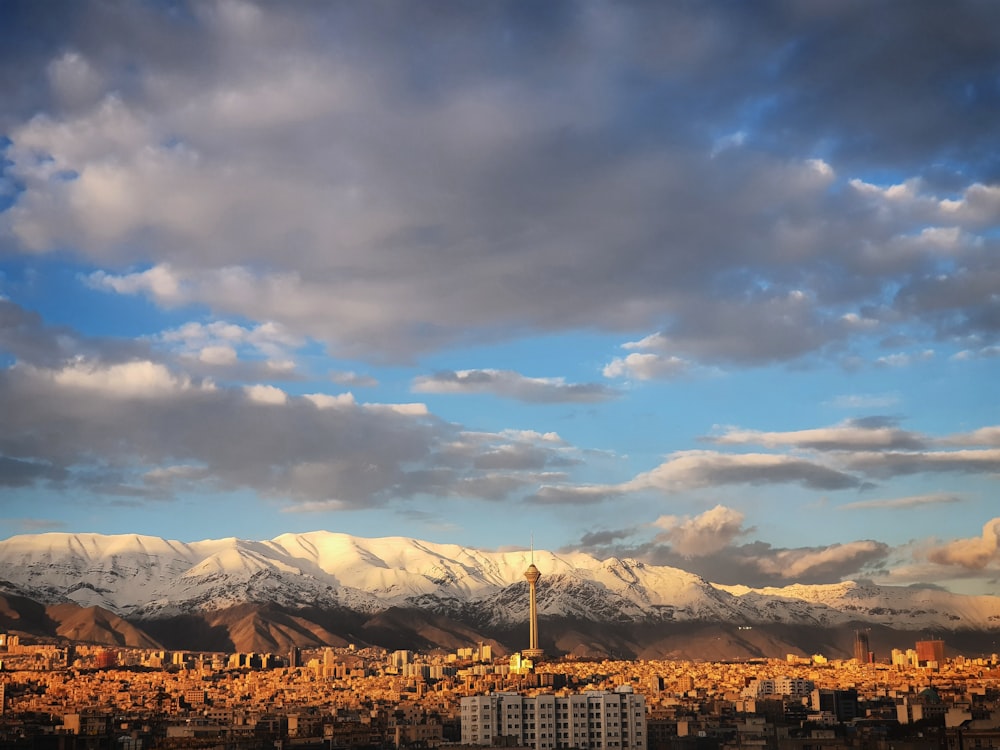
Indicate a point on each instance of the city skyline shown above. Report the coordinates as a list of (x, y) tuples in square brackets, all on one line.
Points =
[(705, 286)]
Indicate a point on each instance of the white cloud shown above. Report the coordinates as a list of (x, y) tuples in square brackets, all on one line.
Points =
[(217, 355), (265, 394), (125, 380), (703, 534), (159, 281), (976, 553), (645, 366), (326, 401), (853, 435)]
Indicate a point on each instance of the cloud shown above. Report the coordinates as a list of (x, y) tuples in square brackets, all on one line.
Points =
[(572, 494), (891, 464), (686, 470), (904, 503), (904, 359), (36, 525), (820, 563), (138, 379), (869, 434), (703, 545), (704, 534), (509, 384), (605, 537), (27, 338), (976, 553), (15, 472), (982, 436), (645, 366), (245, 163), (85, 425), (353, 379)]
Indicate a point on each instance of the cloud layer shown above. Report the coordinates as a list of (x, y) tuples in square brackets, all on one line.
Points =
[(387, 199)]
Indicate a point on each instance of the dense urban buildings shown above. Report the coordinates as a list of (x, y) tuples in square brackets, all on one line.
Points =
[(86, 696)]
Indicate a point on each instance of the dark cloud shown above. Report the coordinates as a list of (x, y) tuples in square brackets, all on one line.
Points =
[(685, 470), (572, 495), (604, 538), (15, 472), (90, 423), (26, 337), (491, 170), (758, 564), (892, 464)]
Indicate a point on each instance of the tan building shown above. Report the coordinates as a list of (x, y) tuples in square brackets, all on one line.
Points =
[(599, 720)]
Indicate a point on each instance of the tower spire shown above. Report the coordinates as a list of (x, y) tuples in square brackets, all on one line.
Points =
[(532, 575)]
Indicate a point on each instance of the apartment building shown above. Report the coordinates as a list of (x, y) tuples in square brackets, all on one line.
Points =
[(599, 720)]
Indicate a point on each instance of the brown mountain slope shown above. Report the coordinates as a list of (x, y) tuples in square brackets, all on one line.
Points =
[(259, 628), (19, 614), (96, 625), (418, 630), (24, 616)]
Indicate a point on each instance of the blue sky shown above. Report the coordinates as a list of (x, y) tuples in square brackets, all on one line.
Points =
[(706, 285)]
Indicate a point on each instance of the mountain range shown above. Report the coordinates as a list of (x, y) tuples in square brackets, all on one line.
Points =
[(325, 588)]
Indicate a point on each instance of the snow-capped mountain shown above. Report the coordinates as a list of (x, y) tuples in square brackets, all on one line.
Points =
[(147, 578)]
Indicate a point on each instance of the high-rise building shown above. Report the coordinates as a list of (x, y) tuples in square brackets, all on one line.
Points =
[(533, 651), (843, 704), (598, 720), (862, 651), (930, 651)]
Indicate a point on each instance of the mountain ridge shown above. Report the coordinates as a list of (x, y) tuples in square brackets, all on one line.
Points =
[(147, 578)]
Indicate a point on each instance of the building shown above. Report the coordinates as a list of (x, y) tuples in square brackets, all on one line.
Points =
[(930, 651), (862, 651), (597, 720), (841, 704)]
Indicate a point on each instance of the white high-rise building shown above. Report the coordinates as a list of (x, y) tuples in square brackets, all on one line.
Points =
[(596, 719)]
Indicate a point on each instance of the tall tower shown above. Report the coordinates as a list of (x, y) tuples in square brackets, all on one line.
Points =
[(532, 575)]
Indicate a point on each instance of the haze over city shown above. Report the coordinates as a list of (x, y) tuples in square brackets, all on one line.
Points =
[(704, 285)]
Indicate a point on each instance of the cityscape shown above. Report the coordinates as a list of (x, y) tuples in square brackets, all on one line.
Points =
[(522, 374), (67, 695)]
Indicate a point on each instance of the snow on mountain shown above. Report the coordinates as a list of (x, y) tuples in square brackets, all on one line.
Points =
[(912, 607), (148, 577)]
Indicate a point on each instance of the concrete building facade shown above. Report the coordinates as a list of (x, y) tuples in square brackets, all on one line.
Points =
[(598, 720)]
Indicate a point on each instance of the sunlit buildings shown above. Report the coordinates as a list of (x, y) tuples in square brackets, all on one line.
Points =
[(599, 720)]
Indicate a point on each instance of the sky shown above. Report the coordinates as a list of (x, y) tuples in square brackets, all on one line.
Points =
[(710, 285)]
